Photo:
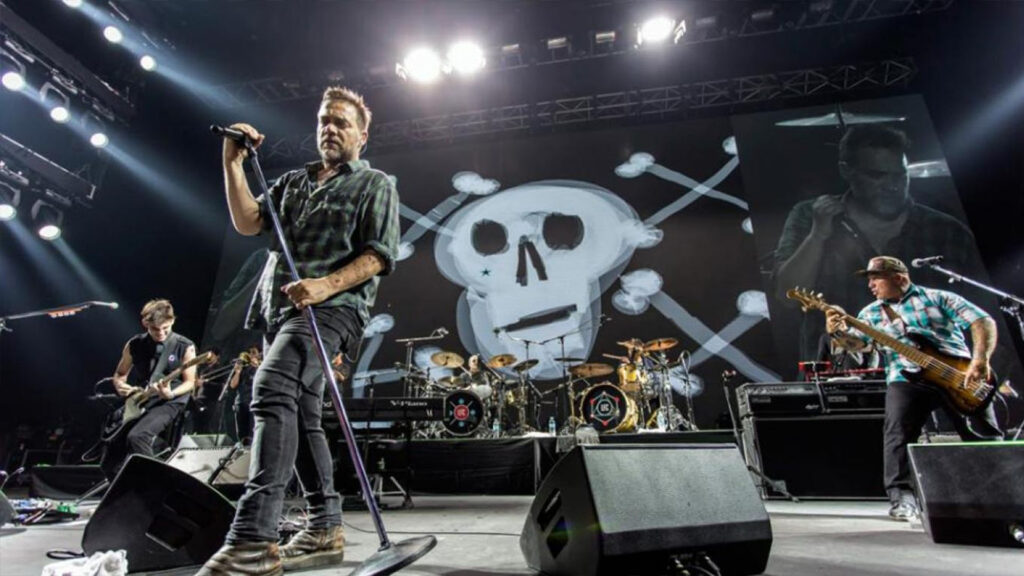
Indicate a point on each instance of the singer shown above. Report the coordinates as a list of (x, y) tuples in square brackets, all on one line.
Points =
[(901, 308), (826, 237), (342, 218)]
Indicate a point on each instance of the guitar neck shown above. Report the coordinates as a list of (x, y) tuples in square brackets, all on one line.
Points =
[(909, 352)]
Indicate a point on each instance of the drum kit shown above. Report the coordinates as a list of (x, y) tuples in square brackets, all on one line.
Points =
[(495, 397)]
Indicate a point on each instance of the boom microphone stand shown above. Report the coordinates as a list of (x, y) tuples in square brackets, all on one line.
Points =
[(391, 556), (1012, 305)]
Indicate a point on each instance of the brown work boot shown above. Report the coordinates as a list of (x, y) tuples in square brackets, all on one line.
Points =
[(248, 559), (314, 548)]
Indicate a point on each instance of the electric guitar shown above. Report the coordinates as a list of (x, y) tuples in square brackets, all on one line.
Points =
[(134, 405), (947, 373)]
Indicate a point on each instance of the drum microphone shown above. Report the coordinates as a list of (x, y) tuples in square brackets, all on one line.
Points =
[(442, 331), (229, 133), (922, 262)]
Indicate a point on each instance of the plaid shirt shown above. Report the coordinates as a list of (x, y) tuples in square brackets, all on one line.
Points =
[(327, 226), (938, 315)]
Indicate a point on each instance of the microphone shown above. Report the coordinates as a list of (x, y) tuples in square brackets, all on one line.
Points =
[(605, 318), (442, 331), (922, 262), (113, 305), (229, 133)]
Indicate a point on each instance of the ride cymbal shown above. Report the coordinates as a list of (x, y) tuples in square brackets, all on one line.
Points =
[(660, 344), (525, 365)]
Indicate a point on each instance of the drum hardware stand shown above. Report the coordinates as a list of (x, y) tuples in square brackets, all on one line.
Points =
[(390, 556), (737, 432), (684, 361), (437, 334)]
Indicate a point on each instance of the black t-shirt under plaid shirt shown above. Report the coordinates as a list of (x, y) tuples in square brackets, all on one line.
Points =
[(327, 226)]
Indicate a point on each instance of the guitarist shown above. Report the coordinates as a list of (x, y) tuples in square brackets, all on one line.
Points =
[(942, 317), (145, 358)]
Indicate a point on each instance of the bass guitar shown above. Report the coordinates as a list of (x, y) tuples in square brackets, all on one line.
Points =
[(135, 404), (943, 371)]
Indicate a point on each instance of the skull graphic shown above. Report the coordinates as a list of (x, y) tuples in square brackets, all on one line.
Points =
[(534, 261)]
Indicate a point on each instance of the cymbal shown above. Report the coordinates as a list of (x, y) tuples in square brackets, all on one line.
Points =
[(632, 344), (568, 359), (449, 381), (591, 370), (525, 365), (501, 360), (447, 359), (660, 344)]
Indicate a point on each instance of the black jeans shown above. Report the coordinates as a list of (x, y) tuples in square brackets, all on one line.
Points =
[(140, 437), (288, 392), (907, 407)]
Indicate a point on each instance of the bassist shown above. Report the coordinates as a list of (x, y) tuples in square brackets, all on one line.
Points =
[(901, 310), (145, 358)]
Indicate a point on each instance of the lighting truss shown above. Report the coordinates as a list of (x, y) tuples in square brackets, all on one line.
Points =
[(788, 17), (62, 66), (661, 102)]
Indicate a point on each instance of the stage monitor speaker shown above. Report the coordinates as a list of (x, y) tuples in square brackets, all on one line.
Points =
[(829, 456), (971, 493), (632, 509), (161, 516), (226, 468)]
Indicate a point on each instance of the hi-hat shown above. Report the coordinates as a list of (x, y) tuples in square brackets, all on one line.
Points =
[(591, 370), (525, 365), (660, 344), (501, 360), (632, 344), (447, 359)]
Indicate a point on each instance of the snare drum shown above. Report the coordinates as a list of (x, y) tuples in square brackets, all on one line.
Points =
[(608, 409), (463, 413)]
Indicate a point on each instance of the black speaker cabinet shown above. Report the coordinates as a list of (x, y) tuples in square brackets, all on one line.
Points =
[(829, 456), (161, 516), (628, 509), (971, 493), (225, 467)]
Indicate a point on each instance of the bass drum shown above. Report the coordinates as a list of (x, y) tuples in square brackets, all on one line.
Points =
[(608, 409), (463, 413)]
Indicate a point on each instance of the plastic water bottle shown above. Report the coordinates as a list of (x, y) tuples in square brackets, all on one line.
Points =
[(552, 426), (496, 427)]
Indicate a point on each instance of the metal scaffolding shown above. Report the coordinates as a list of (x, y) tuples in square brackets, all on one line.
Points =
[(662, 102), (746, 21)]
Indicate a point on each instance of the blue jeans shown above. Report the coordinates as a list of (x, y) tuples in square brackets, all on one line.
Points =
[(288, 392)]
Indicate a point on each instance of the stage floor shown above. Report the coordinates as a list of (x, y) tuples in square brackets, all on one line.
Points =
[(479, 535)]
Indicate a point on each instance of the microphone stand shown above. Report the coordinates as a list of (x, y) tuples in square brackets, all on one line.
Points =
[(390, 556), (1012, 305), (58, 312)]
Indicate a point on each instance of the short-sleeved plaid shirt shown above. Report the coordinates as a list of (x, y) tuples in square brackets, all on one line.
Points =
[(327, 226), (940, 316)]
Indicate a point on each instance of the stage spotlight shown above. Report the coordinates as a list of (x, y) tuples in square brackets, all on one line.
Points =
[(422, 65), (147, 62), (48, 220), (99, 139), (466, 57), (60, 114), (557, 43), (606, 37), (655, 30), (9, 199), (113, 34), (13, 72), (73, 3), (13, 81)]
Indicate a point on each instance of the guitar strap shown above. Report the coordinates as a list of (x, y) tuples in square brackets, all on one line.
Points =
[(161, 364), (895, 318)]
